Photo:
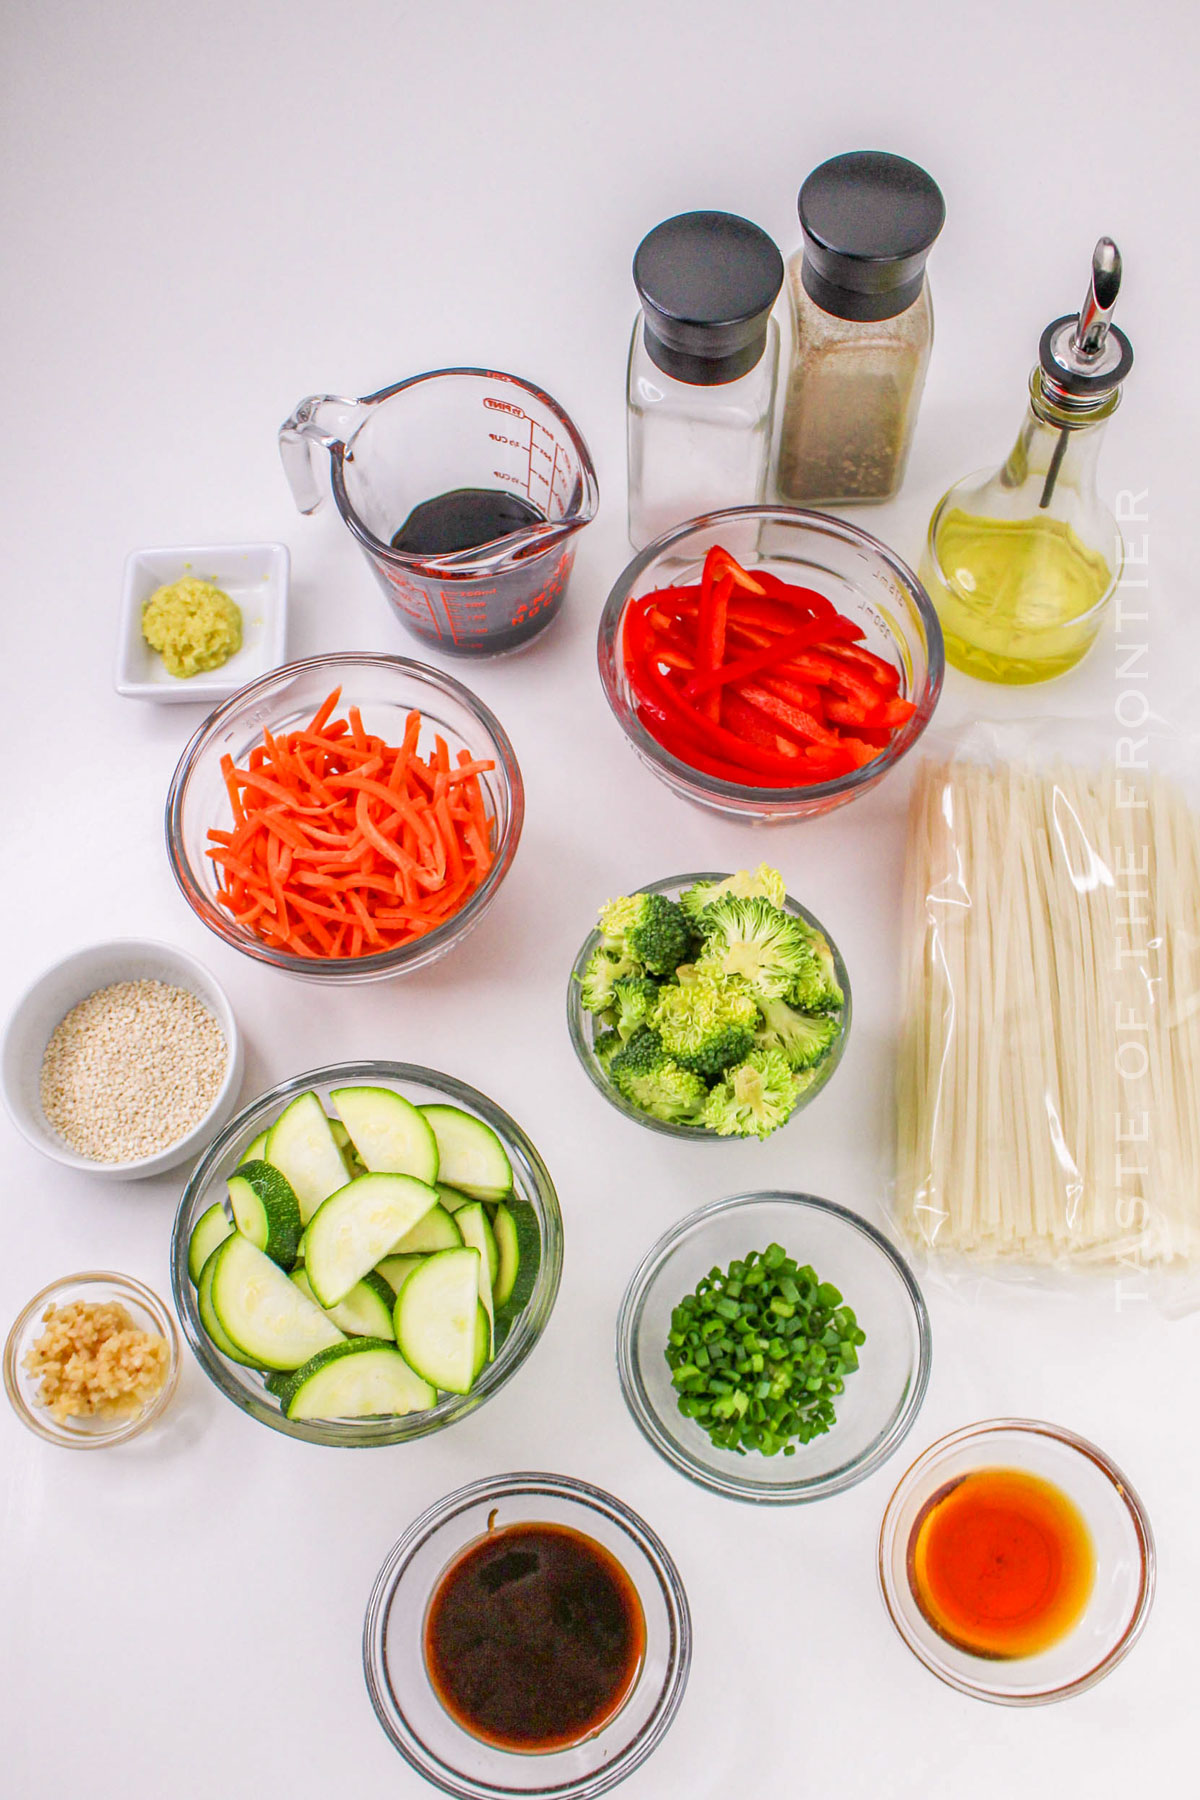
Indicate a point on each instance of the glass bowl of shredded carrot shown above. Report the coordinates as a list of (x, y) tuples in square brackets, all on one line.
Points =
[(345, 818)]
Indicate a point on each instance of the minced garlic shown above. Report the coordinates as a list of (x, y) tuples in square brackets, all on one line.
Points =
[(93, 1360)]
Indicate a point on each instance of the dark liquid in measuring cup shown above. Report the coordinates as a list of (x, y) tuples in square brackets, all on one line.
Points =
[(463, 519), (534, 1638)]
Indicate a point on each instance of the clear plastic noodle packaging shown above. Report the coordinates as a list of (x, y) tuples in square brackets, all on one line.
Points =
[(1048, 1095)]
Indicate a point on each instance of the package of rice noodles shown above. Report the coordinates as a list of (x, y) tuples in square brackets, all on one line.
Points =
[(1048, 1086)]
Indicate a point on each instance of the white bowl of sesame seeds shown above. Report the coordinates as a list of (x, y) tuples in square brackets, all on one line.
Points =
[(122, 1060)]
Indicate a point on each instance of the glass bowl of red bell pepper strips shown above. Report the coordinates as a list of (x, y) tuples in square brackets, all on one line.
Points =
[(770, 663), (584, 1027)]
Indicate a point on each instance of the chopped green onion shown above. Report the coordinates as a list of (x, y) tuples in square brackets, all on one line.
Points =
[(759, 1351)]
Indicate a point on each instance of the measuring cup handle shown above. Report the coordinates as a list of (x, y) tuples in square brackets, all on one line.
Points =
[(322, 419)]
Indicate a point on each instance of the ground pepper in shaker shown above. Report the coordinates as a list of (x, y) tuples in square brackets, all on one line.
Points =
[(702, 368), (862, 327)]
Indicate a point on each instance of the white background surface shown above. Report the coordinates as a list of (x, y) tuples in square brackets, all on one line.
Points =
[(210, 211)]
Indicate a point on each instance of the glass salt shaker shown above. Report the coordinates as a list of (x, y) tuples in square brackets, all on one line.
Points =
[(702, 369), (862, 328)]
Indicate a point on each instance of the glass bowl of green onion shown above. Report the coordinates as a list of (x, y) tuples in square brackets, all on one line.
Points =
[(774, 1347)]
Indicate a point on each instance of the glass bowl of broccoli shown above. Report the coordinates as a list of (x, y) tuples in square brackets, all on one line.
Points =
[(709, 1005)]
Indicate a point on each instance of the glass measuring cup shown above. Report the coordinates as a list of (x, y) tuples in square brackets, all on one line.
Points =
[(433, 435)]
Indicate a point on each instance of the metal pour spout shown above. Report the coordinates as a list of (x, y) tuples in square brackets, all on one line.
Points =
[(1095, 315)]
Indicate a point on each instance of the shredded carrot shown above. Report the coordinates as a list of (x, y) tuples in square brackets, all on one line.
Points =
[(343, 845)]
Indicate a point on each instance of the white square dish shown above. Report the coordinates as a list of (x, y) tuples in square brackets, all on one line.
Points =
[(255, 576)]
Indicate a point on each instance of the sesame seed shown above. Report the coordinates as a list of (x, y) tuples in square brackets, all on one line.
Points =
[(131, 1070)]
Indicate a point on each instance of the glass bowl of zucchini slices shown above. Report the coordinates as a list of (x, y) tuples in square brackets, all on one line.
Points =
[(366, 1253)]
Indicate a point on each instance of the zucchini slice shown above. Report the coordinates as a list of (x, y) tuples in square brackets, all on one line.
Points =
[(529, 1261), (451, 1198), (504, 1229), (209, 1319), (436, 1231), (358, 1380), (471, 1156), (257, 1147), (341, 1137), (365, 1312), (302, 1146), (266, 1211), (438, 1319), (472, 1221), (262, 1311), (396, 1270), (388, 1132), (358, 1226), (210, 1229)]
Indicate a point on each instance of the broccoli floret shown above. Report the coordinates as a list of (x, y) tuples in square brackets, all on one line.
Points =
[(805, 1040), (831, 992), (748, 884), (635, 997), (706, 1024), (755, 1098), (649, 929), (605, 1047), (754, 941), (655, 1082), (605, 967)]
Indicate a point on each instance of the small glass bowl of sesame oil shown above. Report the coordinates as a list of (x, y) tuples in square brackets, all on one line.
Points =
[(1017, 1562)]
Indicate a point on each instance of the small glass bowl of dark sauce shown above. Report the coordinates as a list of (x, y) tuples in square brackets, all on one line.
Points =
[(528, 1634)]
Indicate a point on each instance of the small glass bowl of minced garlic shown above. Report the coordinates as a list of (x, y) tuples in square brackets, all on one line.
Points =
[(92, 1360)]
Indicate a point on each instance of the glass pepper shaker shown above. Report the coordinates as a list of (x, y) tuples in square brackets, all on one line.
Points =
[(862, 328), (1022, 562), (702, 369)]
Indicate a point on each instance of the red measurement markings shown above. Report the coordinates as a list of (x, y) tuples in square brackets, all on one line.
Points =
[(467, 613), (550, 483), (548, 593)]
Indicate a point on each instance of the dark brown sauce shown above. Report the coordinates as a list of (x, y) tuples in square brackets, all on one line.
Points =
[(534, 1638), (463, 519)]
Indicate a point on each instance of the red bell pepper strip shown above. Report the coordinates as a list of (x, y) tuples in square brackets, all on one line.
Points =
[(792, 594), (883, 672), (648, 681), (719, 562), (853, 712), (802, 727), (803, 694), (710, 638), (814, 632), (741, 717), (828, 671), (799, 775), (743, 609), (897, 712)]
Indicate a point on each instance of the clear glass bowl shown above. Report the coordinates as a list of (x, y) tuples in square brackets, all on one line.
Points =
[(882, 1397), (393, 1659), (582, 1024), (1121, 1537), (864, 581), (96, 1287), (386, 689), (531, 1183)]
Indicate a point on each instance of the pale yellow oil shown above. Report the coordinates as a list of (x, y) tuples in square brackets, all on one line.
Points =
[(1019, 599)]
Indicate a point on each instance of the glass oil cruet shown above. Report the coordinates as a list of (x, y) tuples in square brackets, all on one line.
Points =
[(1022, 563)]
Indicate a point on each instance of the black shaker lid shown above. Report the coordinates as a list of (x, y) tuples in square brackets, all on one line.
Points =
[(707, 282), (869, 220)]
